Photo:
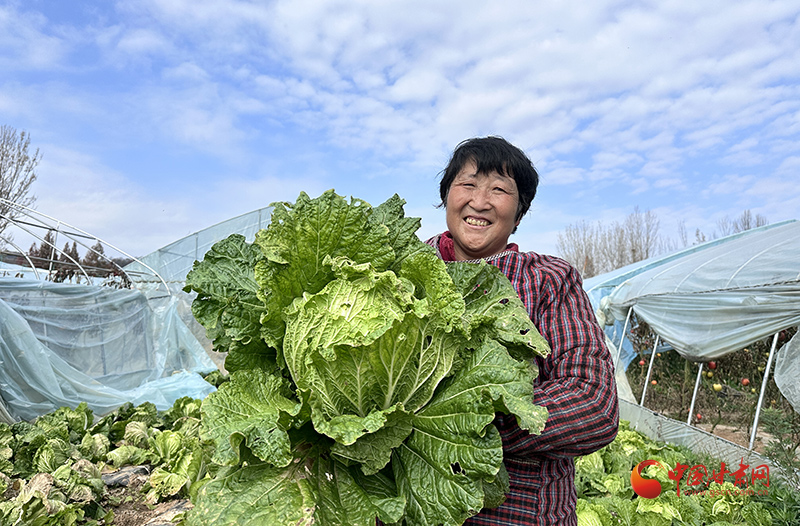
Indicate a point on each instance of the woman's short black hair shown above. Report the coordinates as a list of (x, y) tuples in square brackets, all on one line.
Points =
[(494, 154)]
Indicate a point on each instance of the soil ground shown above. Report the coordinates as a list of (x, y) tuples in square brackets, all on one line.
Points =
[(130, 508), (136, 512), (737, 435)]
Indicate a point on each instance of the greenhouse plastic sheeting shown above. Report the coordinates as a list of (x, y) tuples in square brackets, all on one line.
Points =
[(65, 344), (720, 297), (707, 301), (624, 390), (599, 287), (787, 371), (175, 260)]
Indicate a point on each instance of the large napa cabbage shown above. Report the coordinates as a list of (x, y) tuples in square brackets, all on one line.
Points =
[(366, 372)]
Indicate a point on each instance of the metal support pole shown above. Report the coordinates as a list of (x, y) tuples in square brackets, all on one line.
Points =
[(694, 394), (53, 249), (622, 338), (649, 370), (763, 389)]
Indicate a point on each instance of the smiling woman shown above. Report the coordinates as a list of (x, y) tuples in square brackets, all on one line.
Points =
[(486, 189), (481, 212)]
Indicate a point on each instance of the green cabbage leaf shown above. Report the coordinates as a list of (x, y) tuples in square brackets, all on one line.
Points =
[(366, 372)]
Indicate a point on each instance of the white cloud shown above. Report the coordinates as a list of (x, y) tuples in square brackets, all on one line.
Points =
[(186, 72), (560, 173), (669, 182), (616, 103), (79, 190), (789, 167), (608, 160), (141, 41), (238, 196), (368, 73), (26, 42), (729, 184)]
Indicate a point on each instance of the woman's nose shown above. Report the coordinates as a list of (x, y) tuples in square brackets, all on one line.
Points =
[(481, 198)]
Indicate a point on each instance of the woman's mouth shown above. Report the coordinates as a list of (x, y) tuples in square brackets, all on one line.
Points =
[(476, 222)]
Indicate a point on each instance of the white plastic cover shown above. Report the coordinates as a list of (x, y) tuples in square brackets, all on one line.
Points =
[(63, 344), (720, 298), (787, 371), (707, 301), (600, 287), (175, 260)]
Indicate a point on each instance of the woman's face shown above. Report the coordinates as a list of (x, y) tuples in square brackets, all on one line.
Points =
[(481, 212)]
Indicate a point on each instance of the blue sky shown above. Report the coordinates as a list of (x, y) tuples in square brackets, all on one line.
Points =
[(158, 118)]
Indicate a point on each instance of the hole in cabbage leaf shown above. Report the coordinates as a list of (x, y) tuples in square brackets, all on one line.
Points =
[(456, 467), (503, 301), (524, 331)]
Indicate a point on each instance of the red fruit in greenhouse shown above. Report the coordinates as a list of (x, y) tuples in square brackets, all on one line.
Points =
[(699, 417), (712, 365), (641, 362), (745, 382)]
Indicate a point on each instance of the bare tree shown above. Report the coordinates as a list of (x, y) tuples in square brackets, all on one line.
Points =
[(699, 237), (746, 221), (577, 245), (611, 247), (633, 240), (597, 249), (17, 173), (667, 244), (641, 231), (725, 226), (683, 236), (644, 229)]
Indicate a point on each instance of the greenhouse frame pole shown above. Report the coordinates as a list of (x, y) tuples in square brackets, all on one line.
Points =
[(84, 234), (694, 394), (649, 370), (25, 255), (43, 242), (622, 338), (763, 389), (53, 250)]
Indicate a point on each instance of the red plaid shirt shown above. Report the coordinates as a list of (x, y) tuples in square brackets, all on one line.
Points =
[(576, 385)]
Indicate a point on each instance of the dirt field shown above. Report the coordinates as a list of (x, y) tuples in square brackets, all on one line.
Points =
[(130, 509)]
